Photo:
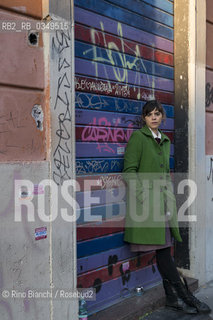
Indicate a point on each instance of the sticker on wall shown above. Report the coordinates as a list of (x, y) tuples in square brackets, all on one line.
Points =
[(40, 233), (125, 266), (116, 120), (24, 193), (120, 150), (38, 189)]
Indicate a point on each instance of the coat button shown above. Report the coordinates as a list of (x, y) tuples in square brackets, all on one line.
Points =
[(161, 165)]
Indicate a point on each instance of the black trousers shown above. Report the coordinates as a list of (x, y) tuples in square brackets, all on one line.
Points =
[(166, 265)]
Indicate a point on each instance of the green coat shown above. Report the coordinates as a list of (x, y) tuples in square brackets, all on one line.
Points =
[(150, 195)]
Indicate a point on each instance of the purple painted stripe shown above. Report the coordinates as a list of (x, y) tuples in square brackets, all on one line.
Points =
[(95, 69), (106, 119), (112, 119), (105, 196), (103, 165), (112, 291), (172, 149), (93, 149), (98, 166), (95, 261), (110, 25)]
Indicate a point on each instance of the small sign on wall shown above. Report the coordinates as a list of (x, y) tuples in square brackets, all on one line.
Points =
[(40, 233)]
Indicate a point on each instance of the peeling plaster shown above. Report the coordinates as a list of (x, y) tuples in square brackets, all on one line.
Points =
[(38, 116)]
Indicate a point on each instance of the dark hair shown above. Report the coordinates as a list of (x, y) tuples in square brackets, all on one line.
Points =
[(150, 106)]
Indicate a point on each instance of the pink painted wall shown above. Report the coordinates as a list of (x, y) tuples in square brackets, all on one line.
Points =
[(21, 62), (209, 11), (19, 137), (23, 133), (28, 7), (209, 133), (209, 47)]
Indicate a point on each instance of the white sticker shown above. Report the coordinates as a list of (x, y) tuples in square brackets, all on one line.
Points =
[(125, 266), (120, 150)]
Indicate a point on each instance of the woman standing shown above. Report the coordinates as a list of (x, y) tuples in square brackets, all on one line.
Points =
[(151, 218)]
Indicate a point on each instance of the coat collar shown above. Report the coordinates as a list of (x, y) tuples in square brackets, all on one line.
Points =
[(147, 132)]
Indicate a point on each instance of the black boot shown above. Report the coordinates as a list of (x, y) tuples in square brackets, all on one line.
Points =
[(184, 293), (173, 302), (201, 307)]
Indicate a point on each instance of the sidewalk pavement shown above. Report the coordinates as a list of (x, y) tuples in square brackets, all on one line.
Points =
[(141, 307), (205, 294)]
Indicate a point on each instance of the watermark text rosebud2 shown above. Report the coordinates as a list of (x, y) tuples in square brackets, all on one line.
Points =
[(95, 202)]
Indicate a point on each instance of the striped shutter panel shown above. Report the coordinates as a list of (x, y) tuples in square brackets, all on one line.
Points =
[(123, 57)]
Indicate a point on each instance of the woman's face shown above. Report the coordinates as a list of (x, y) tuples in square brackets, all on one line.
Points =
[(153, 119)]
